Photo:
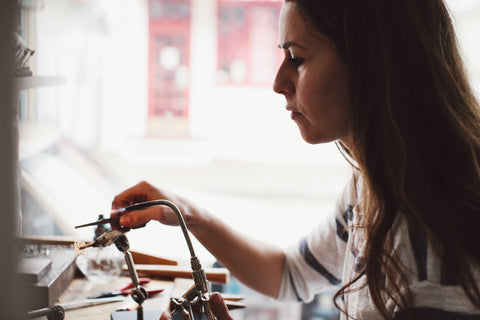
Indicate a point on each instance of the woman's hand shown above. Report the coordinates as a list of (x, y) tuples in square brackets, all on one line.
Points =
[(217, 304), (142, 192), (238, 253)]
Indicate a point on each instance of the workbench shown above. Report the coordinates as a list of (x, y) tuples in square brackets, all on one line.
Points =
[(62, 283), (82, 288)]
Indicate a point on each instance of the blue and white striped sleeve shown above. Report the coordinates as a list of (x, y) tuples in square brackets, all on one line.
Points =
[(316, 261)]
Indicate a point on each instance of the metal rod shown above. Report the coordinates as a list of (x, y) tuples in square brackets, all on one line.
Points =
[(177, 212)]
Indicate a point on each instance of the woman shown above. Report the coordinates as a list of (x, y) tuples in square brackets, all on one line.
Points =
[(384, 80)]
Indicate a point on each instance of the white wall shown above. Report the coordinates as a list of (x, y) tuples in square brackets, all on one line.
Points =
[(101, 49)]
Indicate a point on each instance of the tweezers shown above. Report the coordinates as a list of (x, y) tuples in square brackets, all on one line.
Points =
[(121, 211)]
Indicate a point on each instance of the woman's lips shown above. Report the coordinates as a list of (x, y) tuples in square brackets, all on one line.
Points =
[(294, 114)]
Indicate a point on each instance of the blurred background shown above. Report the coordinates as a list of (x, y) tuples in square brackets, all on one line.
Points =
[(175, 92), (178, 93)]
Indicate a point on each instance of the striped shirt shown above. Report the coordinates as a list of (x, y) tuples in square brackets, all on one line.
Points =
[(331, 255)]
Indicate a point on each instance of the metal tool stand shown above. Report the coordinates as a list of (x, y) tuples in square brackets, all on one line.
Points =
[(194, 304), (138, 293)]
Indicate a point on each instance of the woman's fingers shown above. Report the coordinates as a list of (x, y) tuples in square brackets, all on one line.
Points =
[(137, 218), (165, 316), (218, 306), (140, 192)]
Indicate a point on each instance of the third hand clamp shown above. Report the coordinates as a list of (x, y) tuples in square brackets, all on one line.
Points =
[(138, 293), (194, 304)]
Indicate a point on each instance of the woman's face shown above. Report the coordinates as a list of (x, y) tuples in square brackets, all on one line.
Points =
[(313, 79)]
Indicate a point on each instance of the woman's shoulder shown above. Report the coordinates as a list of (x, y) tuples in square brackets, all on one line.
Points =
[(347, 201), (352, 192)]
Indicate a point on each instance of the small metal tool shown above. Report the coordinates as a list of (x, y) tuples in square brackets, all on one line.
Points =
[(120, 212), (104, 240), (52, 313), (57, 312), (138, 293), (121, 242)]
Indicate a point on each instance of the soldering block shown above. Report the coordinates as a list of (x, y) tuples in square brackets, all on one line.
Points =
[(46, 290), (32, 270)]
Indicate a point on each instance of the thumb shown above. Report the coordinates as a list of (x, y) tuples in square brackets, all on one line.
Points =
[(166, 316), (219, 308)]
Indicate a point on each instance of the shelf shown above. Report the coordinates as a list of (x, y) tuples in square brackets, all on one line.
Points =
[(29, 82)]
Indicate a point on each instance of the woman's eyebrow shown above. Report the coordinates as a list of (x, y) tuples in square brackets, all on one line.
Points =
[(289, 44)]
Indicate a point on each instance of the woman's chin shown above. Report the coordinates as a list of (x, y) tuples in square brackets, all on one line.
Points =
[(313, 139)]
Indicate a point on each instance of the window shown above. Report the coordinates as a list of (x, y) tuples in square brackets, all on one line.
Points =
[(169, 66), (247, 48)]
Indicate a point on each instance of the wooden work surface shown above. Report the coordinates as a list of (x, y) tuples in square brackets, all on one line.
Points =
[(176, 280), (81, 288)]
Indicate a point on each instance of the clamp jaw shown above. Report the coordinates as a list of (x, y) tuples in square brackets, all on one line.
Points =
[(138, 293)]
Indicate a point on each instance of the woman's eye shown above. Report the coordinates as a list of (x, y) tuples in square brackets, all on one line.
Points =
[(296, 61)]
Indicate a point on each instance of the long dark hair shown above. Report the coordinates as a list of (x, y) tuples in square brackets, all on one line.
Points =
[(416, 129)]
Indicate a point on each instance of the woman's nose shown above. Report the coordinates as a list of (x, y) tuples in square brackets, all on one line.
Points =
[(282, 83)]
